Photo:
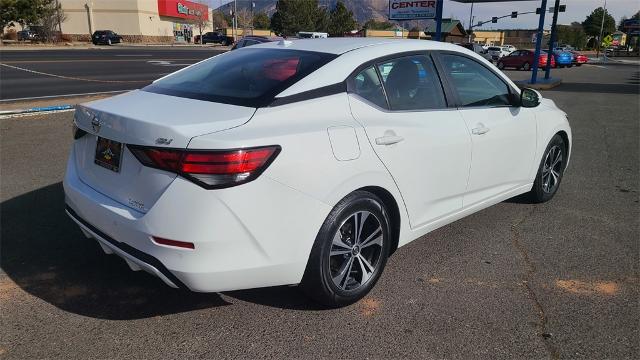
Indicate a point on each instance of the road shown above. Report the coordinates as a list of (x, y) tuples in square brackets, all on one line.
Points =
[(81, 71), (554, 280)]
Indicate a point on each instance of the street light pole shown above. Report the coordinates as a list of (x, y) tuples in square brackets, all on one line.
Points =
[(604, 12), (534, 70), (552, 39), (470, 22)]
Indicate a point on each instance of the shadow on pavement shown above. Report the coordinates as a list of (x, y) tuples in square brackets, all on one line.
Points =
[(46, 255), (598, 88)]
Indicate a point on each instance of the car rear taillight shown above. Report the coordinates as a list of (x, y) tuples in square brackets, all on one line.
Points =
[(211, 169)]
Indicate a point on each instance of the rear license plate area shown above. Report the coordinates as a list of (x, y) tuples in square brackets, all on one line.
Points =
[(108, 154)]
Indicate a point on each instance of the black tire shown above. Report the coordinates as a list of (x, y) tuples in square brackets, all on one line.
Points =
[(318, 281), (543, 190), (526, 66), (500, 65)]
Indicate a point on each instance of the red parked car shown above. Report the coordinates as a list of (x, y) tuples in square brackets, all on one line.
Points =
[(523, 59), (579, 59)]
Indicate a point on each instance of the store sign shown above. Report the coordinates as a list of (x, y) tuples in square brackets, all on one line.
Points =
[(412, 10), (182, 9)]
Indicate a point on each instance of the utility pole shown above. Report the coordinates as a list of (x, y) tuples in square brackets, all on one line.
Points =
[(439, 6), (604, 12), (470, 22)]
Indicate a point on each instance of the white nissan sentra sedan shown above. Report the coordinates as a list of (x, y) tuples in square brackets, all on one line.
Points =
[(306, 162)]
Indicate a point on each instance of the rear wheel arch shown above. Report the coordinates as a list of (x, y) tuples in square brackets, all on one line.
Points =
[(391, 205)]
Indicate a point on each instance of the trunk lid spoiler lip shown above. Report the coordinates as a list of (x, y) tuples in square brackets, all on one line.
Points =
[(148, 119)]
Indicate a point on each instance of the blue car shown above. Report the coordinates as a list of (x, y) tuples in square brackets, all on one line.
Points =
[(563, 58)]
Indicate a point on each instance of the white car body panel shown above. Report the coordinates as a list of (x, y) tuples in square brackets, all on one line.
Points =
[(261, 233), (433, 139), (503, 156)]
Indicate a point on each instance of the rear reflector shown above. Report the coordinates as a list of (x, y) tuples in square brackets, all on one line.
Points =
[(175, 243), (211, 169)]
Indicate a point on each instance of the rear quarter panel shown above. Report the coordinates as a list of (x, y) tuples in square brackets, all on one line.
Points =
[(307, 162)]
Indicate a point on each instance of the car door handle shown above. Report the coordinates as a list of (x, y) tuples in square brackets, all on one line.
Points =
[(480, 130), (389, 140)]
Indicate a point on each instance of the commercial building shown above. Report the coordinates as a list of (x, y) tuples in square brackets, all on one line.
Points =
[(164, 21), (522, 39)]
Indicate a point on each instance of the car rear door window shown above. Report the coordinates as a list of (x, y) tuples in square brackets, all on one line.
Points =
[(411, 83), (475, 84), (367, 85)]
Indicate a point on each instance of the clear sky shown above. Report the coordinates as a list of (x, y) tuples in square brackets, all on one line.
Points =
[(577, 10)]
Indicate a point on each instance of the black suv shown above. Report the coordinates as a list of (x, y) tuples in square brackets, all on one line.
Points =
[(106, 37), (213, 38)]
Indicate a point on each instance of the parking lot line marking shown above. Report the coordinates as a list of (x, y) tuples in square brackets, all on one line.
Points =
[(91, 60), (72, 77), (65, 95)]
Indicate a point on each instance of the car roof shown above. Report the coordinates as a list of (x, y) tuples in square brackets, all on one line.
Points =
[(352, 52), (340, 46)]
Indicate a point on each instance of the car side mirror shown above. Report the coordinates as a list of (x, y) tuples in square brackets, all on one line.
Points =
[(529, 98)]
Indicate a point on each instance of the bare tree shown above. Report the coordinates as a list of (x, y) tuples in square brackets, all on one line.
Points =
[(51, 18), (202, 21), (245, 19)]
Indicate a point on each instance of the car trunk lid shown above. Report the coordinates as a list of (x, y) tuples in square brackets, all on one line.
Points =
[(146, 119)]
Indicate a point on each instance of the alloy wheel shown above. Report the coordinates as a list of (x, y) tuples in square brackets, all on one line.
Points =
[(356, 251), (552, 169)]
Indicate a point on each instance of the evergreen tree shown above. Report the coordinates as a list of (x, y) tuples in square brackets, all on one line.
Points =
[(293, 16), (593, 22), (341, 20), (261, 21)]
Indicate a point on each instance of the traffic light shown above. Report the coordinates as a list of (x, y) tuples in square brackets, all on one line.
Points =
[(494, 20), (514, 14), (561, 8)]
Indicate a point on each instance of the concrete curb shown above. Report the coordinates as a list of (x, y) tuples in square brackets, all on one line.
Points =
[(616, 63), (540, 85), (37, 109)]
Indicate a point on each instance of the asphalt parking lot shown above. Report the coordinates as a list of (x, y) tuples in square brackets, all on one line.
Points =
[(44, 73), (555, 280)]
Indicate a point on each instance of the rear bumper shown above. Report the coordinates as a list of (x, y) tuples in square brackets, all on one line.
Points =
[(254, 235), (136, 259)]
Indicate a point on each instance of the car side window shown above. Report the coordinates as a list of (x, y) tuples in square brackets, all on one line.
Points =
[(411, 83), (368, 86), (475, 84)]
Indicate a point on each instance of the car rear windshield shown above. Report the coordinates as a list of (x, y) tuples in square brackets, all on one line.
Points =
[(245, 77)]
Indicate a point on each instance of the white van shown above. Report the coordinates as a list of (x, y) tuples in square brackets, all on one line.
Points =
[(312, 35)]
